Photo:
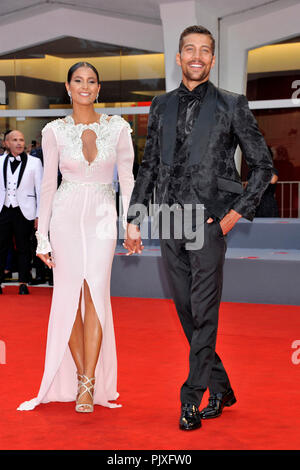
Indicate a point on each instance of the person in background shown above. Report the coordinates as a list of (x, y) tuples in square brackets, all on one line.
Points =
[(20, 183), (4, 148), (268, 206), (42, 273), (36, 150)]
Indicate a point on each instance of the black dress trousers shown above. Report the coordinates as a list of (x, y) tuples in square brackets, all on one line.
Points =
[(14, 224), (196, 278)]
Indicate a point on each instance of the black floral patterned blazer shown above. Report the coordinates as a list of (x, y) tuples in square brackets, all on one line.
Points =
[(209, 175)]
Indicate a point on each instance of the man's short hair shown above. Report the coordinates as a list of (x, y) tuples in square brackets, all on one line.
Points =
[(197, 29), (6, 133)]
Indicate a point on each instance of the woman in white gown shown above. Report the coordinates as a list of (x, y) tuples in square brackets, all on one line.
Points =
[(80, 215)]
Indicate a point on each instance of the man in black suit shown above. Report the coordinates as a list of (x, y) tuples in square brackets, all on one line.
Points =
[(193, 133)]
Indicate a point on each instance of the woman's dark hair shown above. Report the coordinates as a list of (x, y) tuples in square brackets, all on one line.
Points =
[(77, 66), (196, 29)]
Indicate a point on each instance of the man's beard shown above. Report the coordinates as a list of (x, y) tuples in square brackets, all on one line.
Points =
[(203, 75)]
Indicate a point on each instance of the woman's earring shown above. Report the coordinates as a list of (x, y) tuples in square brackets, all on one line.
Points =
[(70, 95), (97, 98)]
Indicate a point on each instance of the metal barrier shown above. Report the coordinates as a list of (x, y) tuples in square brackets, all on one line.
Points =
[(288, 198)]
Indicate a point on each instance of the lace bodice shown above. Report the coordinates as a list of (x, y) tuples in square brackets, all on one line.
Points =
[(107, 130), (62, 144)]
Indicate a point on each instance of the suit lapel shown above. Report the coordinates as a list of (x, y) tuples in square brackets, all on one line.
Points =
[(203, 126), (169, 129), (22, 169), (5, 170)]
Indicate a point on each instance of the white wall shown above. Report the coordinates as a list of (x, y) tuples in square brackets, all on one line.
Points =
[(44, 25)]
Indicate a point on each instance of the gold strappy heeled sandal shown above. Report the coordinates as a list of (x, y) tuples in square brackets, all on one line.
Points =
[(88, 386)]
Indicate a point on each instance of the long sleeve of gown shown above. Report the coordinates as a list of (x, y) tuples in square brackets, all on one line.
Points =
[(48, 188), (125, 158)]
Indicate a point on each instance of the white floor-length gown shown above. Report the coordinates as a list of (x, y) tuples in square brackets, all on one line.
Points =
[(81, 218)]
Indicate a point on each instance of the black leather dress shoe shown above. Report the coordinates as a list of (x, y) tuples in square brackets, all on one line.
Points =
[(216, 403), (23, 289), (190, 417)]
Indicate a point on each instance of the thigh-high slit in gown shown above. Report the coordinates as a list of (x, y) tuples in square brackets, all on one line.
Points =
[(80, 217)]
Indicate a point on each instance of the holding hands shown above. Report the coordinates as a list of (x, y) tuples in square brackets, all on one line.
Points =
[(133, 242)]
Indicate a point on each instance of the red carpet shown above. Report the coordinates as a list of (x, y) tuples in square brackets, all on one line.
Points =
[(254, 342)]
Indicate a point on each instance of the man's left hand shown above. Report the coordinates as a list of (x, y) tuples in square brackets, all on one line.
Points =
[(228, 221)]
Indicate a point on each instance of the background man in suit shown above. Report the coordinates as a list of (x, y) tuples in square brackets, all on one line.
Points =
[(193, 133), (20, 182)]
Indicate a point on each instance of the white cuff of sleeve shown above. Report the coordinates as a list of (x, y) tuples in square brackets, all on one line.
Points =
[(43, 244)]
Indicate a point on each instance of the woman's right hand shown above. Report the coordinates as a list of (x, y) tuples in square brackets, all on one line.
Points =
[(48, 260)]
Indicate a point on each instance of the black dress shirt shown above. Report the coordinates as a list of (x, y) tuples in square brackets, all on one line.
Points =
[(188, 111)]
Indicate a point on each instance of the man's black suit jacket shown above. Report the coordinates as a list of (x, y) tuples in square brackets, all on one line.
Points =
[(209, 176)]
